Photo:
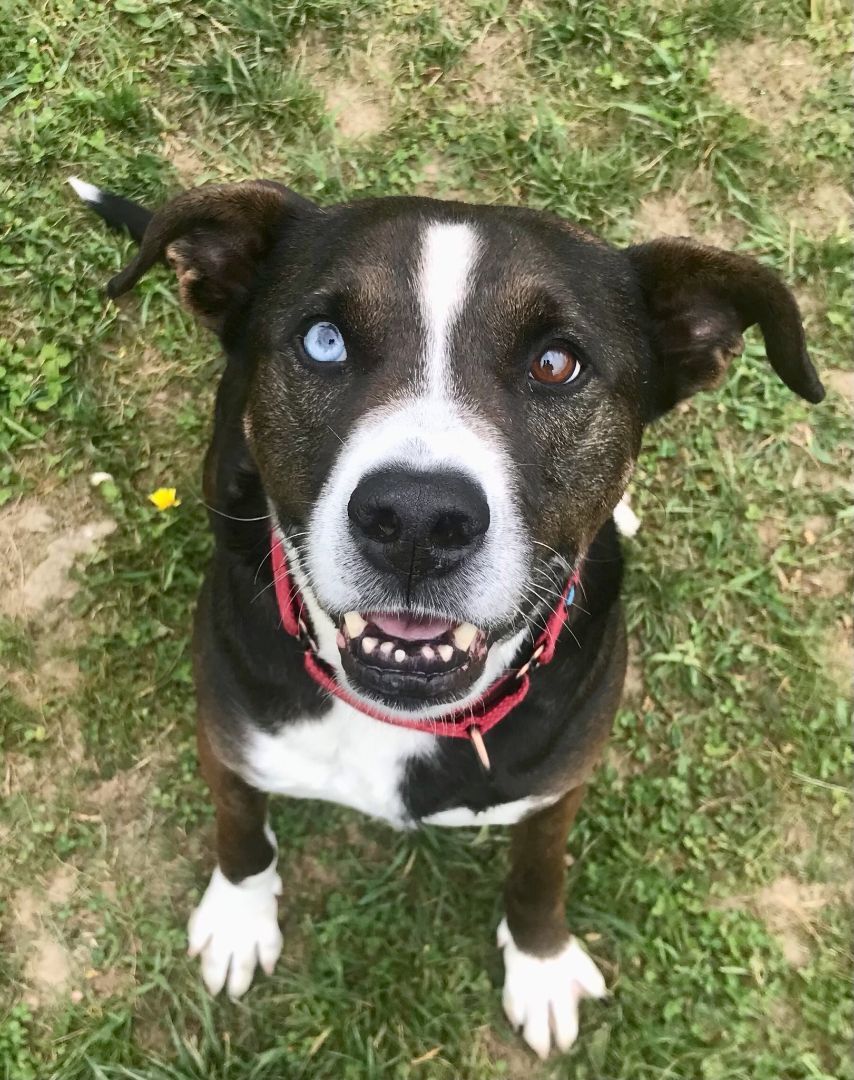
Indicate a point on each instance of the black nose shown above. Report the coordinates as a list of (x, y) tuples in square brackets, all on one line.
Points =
[(421, 523)]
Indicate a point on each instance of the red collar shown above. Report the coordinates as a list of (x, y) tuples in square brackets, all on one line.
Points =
[(472, 721)]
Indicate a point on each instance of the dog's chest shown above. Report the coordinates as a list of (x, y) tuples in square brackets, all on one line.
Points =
[(348, 758)]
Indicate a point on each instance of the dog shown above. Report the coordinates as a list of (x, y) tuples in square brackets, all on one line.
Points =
[(428, 415)]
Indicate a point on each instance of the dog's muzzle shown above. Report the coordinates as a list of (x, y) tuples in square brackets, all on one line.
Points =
[(411, 528)]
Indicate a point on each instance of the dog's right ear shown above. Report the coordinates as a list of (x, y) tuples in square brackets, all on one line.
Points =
[(214, 237)]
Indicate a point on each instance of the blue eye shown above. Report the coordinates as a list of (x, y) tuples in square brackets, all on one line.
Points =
[(324, 342)]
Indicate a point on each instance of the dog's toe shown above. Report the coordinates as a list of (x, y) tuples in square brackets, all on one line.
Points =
[(215, 964), (235, 928), (542, 994)]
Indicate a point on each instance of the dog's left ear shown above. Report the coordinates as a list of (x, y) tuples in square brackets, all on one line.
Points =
[(700, 300), (215, 237)]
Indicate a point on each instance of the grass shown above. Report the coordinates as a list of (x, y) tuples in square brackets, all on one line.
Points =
[(711, 856)]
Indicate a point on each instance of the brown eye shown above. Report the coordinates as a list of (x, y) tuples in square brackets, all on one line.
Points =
[(555, 366)]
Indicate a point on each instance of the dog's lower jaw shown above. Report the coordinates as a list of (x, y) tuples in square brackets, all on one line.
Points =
[(542, 993), (499, 657), (234, 928)]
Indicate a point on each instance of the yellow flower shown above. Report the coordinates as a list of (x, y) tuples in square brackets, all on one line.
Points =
[(164, 498)]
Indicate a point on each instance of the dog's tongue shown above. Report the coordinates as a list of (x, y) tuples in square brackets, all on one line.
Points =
[(410, 628)]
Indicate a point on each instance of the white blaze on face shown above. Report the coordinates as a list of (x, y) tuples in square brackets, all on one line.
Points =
[(448, 257), (427, 427)]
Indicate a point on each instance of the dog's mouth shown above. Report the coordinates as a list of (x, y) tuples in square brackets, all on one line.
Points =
[(409, 657)]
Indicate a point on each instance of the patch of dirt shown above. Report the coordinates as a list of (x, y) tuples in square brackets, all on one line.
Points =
[(769, 532), (825, 210), (48, 968), (184, 159), (839, 656), (54, 679), (517, 1060), (811, 307), (799, 837), (357, 115), (831, 581), (623, 765), (765, 82), (434, 184), (134, 845), (42, 776), (633, 688), (151, 1034), (815, 527), (313, 873), (25, 910), (114, 982), (840, 382), (492, 67), (663, 215), (791, 911), (693, 210), (62, 884), (38, 550), (814, 846), (358, 87)]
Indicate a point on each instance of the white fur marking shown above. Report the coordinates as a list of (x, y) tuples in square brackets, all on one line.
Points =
[(502, 814), (625, 518), (448, 255), (344, 757), (542, 993), (236, 927), (87, 192)]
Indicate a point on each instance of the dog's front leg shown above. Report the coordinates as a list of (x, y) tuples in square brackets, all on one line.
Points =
[(235, 927), (546, 971)]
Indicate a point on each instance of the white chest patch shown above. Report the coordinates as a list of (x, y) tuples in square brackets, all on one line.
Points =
[(503, 814), (350, 759), (345, 757)]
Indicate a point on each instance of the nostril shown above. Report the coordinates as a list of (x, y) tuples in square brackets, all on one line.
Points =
[(452, 529), (381, 524), (371, 511)]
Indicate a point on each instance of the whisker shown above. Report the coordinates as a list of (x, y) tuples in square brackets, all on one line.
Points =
[(557, 594), (269, 555), (564, 562), (270, 585), (231, 517)]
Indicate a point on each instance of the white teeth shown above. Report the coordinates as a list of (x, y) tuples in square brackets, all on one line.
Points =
[(386, 648), (464, 635), (355, 623), (399, 656), (369, 644), (445, 652), (428, 653)]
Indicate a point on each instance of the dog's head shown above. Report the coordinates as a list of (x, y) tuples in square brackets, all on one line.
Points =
[(445, 402)]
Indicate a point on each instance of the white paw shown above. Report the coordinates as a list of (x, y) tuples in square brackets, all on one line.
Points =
[(541, 994), (236, 927), (625, 518)]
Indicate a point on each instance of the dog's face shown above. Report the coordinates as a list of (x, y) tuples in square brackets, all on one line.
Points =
[(445, 403)]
